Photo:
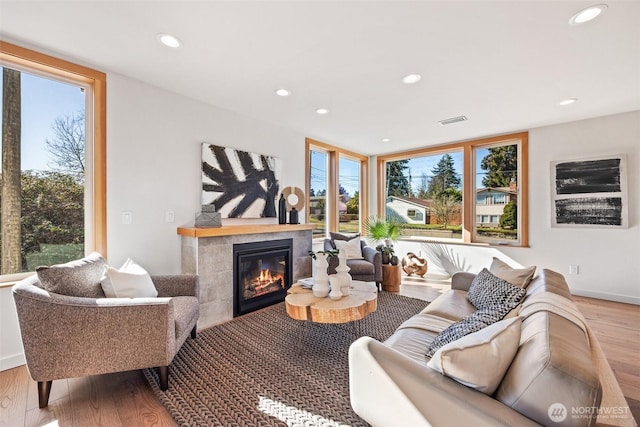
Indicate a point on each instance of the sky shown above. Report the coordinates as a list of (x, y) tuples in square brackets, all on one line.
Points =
[(43, 100)]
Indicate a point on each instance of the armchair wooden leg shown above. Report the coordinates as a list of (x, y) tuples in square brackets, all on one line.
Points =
[(163, 373), (44, 389), (379, 286), (194, 331)]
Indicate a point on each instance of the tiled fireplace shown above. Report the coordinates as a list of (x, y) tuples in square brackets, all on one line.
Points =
[(209, 253)]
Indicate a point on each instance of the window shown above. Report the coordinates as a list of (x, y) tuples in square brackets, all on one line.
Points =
[(433, 181), (336, 188), (53, 142), (317, 190), (492, 172), (348, 194)]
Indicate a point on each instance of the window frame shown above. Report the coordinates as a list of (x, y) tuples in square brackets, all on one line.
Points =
[(332, 206), (469, 195), (33, 62)]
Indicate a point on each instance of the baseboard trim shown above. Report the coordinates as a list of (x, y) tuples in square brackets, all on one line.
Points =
[(606, 296), (10, 362)]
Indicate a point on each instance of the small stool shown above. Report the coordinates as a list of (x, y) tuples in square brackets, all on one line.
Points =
[(391, 277)]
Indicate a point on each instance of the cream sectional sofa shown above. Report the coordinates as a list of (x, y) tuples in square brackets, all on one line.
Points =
[(558, 375)]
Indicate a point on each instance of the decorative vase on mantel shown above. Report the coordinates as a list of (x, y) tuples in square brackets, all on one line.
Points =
[(320, 277), (342, 271)]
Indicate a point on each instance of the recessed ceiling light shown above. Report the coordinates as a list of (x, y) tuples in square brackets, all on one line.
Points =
[(410, 79), (386, 140), (568, 101), (586, 15), (283, 92), (322, 111), (169, 40)]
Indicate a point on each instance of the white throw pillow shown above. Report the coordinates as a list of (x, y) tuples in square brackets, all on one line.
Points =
[(130, 281), (351, 247), (481, 359)]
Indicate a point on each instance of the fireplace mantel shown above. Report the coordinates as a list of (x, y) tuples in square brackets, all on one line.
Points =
[(236, 230), (208, 252)]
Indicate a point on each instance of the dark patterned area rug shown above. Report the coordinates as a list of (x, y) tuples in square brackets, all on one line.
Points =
[(266, 369)]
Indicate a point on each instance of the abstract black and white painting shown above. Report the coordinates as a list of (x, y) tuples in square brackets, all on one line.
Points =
[(239, 184), (590, 192)]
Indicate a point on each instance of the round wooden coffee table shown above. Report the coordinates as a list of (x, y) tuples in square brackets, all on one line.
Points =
[(301, 304)]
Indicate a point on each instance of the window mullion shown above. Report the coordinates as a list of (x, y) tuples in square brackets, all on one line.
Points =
[(468, 193), (332, 193)]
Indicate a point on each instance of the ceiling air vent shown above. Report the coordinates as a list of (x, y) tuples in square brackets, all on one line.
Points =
[(452, 120)]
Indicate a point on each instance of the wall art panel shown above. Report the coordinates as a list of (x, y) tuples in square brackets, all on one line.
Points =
[(590, 192), (239, 184)]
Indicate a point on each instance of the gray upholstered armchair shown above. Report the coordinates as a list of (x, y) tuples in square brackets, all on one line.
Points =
[(67, 336), (368, 269)]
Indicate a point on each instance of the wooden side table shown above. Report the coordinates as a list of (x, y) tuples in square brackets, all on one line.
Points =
[(391, 277)]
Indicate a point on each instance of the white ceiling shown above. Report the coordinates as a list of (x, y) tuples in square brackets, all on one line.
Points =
[(504, 65)]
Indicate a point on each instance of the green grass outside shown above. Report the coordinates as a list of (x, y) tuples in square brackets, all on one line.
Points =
[(54, 254), (354, 227)]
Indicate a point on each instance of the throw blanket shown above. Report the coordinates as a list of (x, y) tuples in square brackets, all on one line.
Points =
[(612, 396)]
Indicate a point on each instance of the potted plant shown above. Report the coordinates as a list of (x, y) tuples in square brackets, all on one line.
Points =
[(329, 254), (381, 229), (388, 254)]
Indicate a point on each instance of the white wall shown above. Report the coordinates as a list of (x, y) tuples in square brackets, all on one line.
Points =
[(153, 165), (608, 259), (11, 354)]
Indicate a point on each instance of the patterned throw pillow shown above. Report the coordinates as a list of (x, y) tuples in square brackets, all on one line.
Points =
[(488, 290), (474, 322)]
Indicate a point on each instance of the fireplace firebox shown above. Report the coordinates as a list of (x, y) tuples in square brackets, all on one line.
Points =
[(262, 274)]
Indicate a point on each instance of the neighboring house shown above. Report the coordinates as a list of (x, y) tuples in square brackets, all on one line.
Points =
[(409, 210), (490, 203), (412, 210)]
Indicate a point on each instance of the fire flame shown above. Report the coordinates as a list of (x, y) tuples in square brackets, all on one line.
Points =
[(266, 278), (265, 275)]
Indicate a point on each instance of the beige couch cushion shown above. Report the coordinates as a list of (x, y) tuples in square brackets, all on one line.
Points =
[(452, 304), (415, 335), (480, 360)]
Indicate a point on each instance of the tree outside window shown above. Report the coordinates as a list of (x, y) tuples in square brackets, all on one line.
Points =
[(43, 167)]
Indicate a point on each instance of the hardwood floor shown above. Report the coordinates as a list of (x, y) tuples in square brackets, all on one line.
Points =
[(120, 399), (125, 399)]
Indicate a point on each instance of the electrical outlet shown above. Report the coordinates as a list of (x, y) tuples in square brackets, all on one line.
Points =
[(574, 269), (127, 217), (169, 216)]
